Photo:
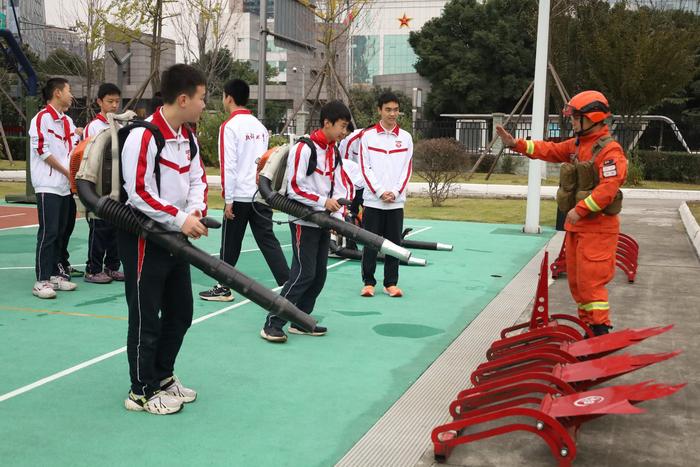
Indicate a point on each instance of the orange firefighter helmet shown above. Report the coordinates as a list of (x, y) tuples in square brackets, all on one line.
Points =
[(591, 104)]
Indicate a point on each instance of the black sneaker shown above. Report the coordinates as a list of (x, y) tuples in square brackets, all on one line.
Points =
[(218, 293), (74, 272), (600, 329), (318, 331), (273, 335), (63, 272)]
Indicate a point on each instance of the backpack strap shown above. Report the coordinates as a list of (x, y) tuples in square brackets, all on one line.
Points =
[(123, 133), (313, 159), (600, 144), (193, 144)]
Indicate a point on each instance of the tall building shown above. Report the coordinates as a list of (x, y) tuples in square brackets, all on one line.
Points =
[(31, 16), (62, 38), (379, 37), (692, 6), (138, 68)]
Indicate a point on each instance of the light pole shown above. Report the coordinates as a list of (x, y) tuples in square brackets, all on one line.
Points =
[(532, 213), (303, 86), (120, 66)]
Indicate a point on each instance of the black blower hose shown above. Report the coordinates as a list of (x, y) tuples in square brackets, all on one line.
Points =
[(137, 223), (351, 253), (322, 219), (418, 245)]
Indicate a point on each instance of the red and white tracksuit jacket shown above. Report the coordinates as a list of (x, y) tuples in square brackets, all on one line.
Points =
[(51, 133), (183, 182), (242, 142), (97, 125), (314, 190), (386, 165)]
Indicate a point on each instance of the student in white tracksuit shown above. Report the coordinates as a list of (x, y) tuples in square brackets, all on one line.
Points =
[(53, 137), (103, 264), (320, 190), (157, 284), (242, 142), (386, 153)]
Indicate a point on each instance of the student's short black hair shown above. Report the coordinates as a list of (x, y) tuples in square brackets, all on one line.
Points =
[(351, 127), (108, 89), (180, 79), (386, 97), (239, 90), (52, 85), (334, 111)]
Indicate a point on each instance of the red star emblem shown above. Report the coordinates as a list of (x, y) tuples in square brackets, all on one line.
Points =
[(404, 21)]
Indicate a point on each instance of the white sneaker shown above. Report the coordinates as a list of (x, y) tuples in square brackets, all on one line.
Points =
[(43, 289), (60, 283), (174, 387), (160, 403)]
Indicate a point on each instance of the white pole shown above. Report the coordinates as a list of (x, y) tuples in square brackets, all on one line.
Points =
[(262, 59), (532, 214)]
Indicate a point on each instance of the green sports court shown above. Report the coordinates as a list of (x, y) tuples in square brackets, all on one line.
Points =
[(306, 402)]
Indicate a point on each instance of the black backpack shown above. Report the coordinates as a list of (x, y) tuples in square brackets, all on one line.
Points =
[(123, 133)]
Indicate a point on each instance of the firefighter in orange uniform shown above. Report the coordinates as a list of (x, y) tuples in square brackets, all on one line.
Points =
[(592, 226)]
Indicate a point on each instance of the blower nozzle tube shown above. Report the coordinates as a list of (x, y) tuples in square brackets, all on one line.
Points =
[(137, 223), (322, 219)]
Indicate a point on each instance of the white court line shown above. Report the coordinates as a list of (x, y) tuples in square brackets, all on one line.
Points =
[(13, 215), (120, 350), (211, 254), (252, 249), (19, 227)]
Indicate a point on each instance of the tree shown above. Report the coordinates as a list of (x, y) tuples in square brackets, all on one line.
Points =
[(335, 19), (130, 20), (640, 57), (64, 62), (478, 57), (202, 27), (227, 68), (637, 57), (90, 25)]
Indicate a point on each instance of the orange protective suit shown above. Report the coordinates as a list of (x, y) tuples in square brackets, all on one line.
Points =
[(591, 243)]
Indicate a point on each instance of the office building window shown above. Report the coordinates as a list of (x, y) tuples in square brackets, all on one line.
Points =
[(365, 58), (398, 55)]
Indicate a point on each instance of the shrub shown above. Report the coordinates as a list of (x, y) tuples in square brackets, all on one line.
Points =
[(440, 162)]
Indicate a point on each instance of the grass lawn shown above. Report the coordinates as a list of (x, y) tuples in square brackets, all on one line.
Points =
[(7, 165), (478, 178), (509, 211), (510, 179)]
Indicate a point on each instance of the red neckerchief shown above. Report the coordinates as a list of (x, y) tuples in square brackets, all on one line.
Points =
[(67, 136), (66, 126), (319, 138)]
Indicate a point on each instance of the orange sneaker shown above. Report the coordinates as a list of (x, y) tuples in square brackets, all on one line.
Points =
[(367, 291), (393, 291)]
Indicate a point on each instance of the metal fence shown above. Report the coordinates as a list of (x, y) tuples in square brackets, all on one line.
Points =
[(476, 133)]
